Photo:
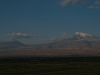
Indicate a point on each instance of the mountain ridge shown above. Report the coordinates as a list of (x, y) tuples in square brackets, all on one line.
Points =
[(78, 40), (10, 44), (65, 47)]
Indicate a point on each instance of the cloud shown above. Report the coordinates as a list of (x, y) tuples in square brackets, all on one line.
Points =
[(52, 39), (89, 21), (91, 6), (64, 3), (22, 35), (96, 5), (97, 2)]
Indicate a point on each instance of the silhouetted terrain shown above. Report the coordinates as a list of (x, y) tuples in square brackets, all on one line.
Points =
[(50, 66)]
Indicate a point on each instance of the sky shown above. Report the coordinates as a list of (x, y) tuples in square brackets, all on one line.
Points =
[(40, 21)]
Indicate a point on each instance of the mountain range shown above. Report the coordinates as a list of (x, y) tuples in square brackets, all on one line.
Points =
[(80, 44), (78, 40)]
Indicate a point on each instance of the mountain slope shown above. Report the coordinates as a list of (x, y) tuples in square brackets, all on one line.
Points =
[(78, 41), (10, 44)]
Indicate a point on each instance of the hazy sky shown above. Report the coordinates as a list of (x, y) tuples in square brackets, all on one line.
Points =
[(36, 21)]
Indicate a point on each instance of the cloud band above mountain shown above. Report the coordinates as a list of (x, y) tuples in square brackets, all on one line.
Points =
[(22, 35)]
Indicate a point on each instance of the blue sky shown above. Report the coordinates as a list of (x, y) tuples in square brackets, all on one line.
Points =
[(36, 21)]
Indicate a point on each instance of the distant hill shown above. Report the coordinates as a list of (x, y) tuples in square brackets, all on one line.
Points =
[(79, 44), (10, 44), (78, 40)]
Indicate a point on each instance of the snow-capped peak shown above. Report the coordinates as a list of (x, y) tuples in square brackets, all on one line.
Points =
[(82, 34)]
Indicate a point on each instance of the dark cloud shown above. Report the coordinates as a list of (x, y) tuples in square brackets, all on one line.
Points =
[(64, 3), (96, 5), (89, 21)]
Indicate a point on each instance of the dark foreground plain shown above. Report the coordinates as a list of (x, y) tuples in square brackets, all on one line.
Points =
[(50, 66)]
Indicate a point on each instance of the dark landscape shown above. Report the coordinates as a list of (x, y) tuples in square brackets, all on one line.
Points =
[(49, 37), (70, 56), (80, 44), (50, 66)]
